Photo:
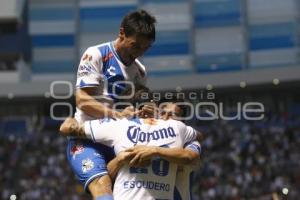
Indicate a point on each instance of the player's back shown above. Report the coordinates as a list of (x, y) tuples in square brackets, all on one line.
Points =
[(156, 181)]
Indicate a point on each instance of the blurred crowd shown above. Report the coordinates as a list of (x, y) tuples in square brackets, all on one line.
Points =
[(250, 160), (35, 167), (240, 160)]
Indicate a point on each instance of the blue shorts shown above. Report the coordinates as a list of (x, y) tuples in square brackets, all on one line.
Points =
[(88, 159)]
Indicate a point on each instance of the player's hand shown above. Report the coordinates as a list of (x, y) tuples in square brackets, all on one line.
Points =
[(124, 157), (128, 112), (142, 155), (149, 110)]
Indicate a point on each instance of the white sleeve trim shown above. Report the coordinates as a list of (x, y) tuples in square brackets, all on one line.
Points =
[(88, 129)]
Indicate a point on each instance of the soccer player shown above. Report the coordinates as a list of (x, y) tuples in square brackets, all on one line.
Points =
[(182, 157), (184, 172), (101, 77), (156, 181)]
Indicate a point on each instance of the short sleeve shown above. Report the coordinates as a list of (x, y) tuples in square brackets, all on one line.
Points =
[(187, 133), (89, 70), (194, 146), (101, 130)]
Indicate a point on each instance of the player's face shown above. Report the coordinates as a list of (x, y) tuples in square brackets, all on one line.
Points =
[(170, 110), (133, 47)]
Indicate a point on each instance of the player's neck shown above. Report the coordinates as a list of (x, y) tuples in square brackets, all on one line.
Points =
[(150, 121), (117, 47)]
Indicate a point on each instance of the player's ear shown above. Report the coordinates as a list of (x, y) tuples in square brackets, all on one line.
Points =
[(121, 34)]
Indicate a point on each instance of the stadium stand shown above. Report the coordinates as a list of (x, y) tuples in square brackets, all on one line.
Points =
[(14, 38), (250, 160), (172, 52), (219, 38), (252, 45), (241, 159), (272, 33), (52, 36)]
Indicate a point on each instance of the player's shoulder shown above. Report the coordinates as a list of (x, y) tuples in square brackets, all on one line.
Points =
[(174, 123), (177, 122), (102, 45), (181, 127), (97, 49), (126, 120)]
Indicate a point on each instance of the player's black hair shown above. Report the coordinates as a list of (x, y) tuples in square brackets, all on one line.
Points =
[(139, 23)]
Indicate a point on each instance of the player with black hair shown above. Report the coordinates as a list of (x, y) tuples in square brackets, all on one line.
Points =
[(105, 70)]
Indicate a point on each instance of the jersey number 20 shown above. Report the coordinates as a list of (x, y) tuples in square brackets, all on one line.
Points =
[(160, 167)]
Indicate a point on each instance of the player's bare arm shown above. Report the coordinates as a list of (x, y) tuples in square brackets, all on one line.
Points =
[(142, 154), (118, 162), (175, 155), (85, 100), (70, 127)]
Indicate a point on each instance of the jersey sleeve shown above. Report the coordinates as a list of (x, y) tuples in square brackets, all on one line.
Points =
[(103, 131), (89, 70), (187, 133), (194, 146)]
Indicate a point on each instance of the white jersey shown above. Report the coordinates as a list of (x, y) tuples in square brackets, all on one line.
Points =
[(185, 174), (101, 67), (156, 181)]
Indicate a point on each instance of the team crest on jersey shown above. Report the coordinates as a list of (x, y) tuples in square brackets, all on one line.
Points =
[(76, 149), (87, 57), (87, 165)]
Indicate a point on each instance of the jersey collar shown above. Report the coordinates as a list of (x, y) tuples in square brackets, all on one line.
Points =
[(111, 45)]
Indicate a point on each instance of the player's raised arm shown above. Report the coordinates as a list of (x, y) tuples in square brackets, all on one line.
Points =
[(99, 130), (85, 100)]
